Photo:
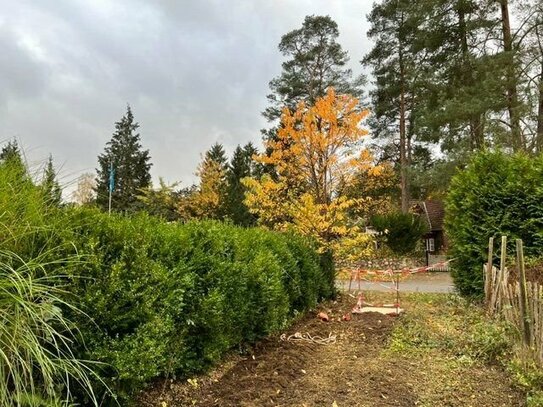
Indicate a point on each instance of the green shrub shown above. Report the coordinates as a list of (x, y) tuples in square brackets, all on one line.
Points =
[(401, 232), (164, 299), (171, 299), (496, 194), (529, 377)]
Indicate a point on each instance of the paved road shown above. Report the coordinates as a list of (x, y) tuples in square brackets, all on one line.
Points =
[(435, 282)]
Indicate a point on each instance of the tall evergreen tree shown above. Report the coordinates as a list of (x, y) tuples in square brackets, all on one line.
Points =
[(528, 43), (217, 154), (315, 62), (461, 83), (241, 166), (442, 76), (518, 141), (539, 117), (50, 185), (130, 163), (12, 156), (394, 62)]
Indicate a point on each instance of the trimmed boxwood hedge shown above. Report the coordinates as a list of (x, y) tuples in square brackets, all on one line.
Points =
[(164, 299), (171, 299), (496, 194)]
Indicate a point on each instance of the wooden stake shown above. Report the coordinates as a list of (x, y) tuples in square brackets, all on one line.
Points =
[(523, 295), (488, 274), (499, 280)]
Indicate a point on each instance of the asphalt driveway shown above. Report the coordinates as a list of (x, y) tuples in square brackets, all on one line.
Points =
[(431, 282)]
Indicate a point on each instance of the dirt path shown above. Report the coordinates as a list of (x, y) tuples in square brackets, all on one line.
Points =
[(357, 370)]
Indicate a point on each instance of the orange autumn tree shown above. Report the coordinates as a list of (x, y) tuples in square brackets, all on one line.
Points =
[(315, 154), (207, 201)]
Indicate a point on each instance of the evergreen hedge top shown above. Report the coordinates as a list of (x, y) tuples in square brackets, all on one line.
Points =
[(497, 194)]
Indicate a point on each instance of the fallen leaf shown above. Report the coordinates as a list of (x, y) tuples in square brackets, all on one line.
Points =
[(323, 316)]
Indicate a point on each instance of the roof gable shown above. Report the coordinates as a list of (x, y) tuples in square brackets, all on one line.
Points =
[(433, 211)]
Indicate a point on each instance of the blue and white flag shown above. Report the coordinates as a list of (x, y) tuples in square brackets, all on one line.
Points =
[(111, 178)]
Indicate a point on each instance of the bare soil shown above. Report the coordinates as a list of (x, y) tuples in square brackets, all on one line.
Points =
[(354, 371)]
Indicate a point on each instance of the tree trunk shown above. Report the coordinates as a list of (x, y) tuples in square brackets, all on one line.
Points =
[(476, 132), (517, 139), (539, 136), (404, 177), (475, 123)]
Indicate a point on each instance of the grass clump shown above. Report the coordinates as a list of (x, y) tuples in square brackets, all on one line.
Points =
[(38, 365), (452, 326)]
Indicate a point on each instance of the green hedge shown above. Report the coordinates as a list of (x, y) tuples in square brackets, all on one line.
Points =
[(496, 194), (171, 299), (165, 299)]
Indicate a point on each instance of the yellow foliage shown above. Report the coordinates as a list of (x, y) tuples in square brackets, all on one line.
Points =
[(373, 188), (206, 202), (355, 246), (268, 200), (315, 154), (314, 145)]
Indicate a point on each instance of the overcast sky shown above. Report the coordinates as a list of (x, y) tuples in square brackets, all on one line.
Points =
[(194, 72)]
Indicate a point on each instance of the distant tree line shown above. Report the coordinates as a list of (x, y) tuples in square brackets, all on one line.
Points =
[(450, 78)]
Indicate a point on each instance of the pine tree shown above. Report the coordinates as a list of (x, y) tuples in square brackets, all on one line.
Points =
[(316, 62), (216, 153), (395, 62), (241, 166), (458, 97), (11, 155), (50, 185), (513, 104), (529, 55), (130, 164)]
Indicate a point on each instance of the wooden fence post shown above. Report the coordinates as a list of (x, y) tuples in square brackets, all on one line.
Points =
[(488, 275), (501, 274), (523, 295)]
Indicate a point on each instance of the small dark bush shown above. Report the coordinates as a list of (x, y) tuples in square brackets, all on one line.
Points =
[(401, 232), (496, 194)]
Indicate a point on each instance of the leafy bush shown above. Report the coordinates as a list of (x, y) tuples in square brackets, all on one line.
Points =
[(496, 194), (165, 299), (401, 232), (171, 299)]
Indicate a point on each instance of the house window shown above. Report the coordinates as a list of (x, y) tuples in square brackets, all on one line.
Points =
[(430, 245)]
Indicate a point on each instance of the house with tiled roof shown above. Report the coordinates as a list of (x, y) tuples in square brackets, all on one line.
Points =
[(433, 213)]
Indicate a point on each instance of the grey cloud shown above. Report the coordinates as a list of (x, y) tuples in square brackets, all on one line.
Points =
[(194, 72), (21, 76)]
